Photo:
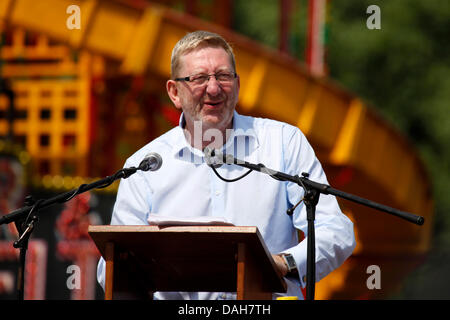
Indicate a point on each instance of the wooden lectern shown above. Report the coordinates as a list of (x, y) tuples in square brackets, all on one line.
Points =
[(144, 259)]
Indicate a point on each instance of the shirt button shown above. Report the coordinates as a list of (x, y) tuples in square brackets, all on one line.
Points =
[(217, 193)]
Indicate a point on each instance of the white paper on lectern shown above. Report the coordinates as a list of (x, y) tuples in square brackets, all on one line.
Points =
[(161, 220)]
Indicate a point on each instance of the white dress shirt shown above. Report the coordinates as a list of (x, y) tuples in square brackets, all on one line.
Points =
[(185, 181)]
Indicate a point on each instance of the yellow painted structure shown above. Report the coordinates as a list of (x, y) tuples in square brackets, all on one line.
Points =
[(52, 101), (348, 136)]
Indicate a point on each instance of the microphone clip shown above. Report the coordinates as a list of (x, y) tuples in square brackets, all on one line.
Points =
[(211, 159)]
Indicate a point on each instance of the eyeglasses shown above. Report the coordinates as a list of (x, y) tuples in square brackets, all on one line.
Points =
[(224, 78)]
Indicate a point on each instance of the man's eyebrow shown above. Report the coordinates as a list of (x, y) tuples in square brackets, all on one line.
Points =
[(224, 69), (198, 71), (203, 71)]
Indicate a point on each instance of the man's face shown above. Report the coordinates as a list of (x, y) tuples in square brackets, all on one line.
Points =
[(212, 103)]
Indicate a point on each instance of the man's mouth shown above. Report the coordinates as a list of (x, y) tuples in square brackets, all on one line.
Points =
[(212, 104)]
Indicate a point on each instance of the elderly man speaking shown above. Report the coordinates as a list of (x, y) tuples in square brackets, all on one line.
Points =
[(205, 87)]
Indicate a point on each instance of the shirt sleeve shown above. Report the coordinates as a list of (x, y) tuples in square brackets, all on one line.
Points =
[(334, 235), (132, 206), (133, 202)]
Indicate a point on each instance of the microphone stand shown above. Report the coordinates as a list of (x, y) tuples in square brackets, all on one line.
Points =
[(312, 191), (26, 217)]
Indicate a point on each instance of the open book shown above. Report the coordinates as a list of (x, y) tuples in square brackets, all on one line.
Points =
[(161, 220)]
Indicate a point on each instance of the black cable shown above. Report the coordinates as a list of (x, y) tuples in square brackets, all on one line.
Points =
[(230, 180), (35, 206), (111, 179)]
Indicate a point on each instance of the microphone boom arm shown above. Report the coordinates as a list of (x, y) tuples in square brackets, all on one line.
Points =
[(66, 196), (322, 188)]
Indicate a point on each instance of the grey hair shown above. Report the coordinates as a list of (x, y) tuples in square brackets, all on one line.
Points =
[(195, 40)]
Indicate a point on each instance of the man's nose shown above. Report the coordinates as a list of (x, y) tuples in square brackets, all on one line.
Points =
[(213, 86)]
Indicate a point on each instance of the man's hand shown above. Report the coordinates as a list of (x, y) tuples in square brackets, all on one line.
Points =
[(281, 265)]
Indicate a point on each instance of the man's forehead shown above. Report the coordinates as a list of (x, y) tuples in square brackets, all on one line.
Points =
[(205, 56)]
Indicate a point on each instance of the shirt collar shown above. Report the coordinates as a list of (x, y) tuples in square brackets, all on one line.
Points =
[(241, 128)]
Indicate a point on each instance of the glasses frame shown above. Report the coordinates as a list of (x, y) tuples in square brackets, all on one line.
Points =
[(188, 78)]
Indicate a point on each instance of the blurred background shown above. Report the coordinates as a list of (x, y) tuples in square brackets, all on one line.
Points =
[(82, 86)]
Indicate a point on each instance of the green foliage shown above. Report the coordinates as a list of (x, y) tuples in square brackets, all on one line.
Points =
[(257, 19)]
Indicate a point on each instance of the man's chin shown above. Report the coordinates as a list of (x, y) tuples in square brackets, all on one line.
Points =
[(215, 121)]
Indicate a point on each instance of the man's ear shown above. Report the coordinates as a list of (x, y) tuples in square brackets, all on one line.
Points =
[(172, 91)]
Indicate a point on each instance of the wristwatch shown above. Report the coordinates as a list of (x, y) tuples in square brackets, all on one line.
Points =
[(290, 263)]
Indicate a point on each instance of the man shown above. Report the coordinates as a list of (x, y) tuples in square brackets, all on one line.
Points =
[(205, 86)]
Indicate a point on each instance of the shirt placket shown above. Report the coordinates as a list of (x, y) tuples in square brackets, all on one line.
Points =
[(217, 192)]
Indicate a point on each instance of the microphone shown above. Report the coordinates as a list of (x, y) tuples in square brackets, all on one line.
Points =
[(212, 158), (209, 152), (151, 162)]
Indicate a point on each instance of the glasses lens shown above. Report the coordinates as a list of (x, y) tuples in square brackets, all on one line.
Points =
[(224, 77), (199, 79)]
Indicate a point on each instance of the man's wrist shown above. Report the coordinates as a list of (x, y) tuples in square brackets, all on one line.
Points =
[(290, 264)]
